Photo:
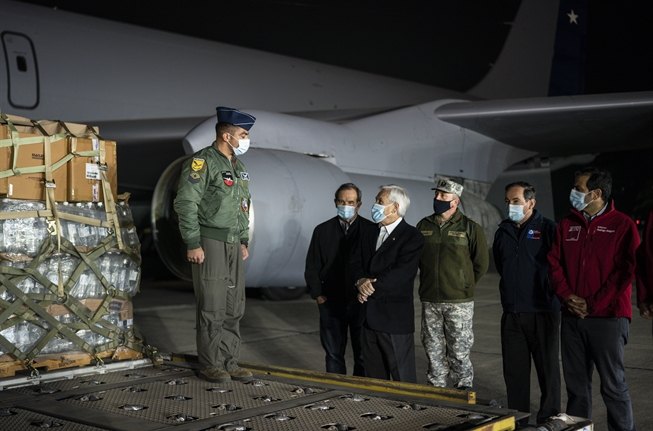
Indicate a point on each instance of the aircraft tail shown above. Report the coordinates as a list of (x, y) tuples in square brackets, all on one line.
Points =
[(543, 55)]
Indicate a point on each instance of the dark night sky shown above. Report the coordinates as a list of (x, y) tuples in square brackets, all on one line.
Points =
[(438, 42)]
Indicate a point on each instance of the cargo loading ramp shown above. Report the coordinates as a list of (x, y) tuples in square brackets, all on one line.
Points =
[(142, 397)]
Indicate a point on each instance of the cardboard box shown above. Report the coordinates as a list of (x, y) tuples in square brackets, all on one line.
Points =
[(84, 184), (32, 185)]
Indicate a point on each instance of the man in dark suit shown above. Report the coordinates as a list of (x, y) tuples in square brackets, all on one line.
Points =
[(327, 263), (385, 264)]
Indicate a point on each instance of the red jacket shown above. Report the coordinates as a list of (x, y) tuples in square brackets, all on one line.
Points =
[(644, 270), (595, 261)]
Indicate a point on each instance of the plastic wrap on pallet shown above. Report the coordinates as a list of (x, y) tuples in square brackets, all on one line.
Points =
[(20, 242), (22, 235)]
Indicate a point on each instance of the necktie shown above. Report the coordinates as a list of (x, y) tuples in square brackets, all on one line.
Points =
[(382, 235)]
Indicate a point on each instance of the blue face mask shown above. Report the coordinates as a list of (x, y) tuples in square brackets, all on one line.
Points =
[(577, 199), (377, 213), (516, 213), (346, 212)]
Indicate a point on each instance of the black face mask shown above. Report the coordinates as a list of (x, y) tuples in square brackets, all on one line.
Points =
[(440, 207)]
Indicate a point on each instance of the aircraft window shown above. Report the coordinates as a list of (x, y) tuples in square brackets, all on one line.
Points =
[(22, 63)]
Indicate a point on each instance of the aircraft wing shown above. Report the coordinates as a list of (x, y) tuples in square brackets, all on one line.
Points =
[(559, 126)]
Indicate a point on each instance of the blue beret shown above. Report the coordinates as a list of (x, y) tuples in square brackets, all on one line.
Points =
[(235, 117)]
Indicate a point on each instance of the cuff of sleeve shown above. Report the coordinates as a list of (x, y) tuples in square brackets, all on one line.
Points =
[(193, 244)]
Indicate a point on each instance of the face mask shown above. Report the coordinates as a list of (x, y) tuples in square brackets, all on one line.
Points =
[(516, 213), (577, 199), (346, 212), (440, 207), (243, 146), (377, 213)]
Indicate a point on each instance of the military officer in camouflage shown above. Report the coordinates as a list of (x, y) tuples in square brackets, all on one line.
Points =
[(213, 207), (455, 258)]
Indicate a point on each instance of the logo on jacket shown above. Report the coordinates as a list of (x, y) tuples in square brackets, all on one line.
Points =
[(244, 176), (533, 234), (244, 204), (573, 233), (227, 178), (457, 234), (197, 165)]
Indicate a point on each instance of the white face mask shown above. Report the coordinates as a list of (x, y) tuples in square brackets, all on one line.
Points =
[(516, 213), (346, 212), (243, 145), (378, 212), (577, 199)]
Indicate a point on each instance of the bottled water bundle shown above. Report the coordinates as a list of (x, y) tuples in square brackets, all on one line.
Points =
[(80, 280)]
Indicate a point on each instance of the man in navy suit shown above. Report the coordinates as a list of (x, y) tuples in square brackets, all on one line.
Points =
[(385, 264)]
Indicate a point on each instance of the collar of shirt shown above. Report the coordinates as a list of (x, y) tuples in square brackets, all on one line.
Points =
[(389, 228), (589, 218), (347, 224)]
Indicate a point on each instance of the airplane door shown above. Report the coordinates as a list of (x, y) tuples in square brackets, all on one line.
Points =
[(22, 72)]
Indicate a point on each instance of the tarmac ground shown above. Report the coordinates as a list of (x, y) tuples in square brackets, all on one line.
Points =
[(286, 333)]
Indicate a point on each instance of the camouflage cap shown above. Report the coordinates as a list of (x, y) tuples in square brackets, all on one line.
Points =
[(449, 186)]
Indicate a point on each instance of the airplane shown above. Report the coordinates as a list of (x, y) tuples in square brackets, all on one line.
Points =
[(317, 127)]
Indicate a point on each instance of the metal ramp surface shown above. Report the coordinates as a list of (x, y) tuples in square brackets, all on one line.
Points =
[(171, 397)]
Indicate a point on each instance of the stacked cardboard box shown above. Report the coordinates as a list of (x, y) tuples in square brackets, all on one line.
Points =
[(76, 176)]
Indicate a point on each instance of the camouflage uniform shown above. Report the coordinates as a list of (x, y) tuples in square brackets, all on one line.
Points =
[(455, 258), (448, 337)]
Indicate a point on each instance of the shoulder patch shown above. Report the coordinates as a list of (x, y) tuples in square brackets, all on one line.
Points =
[(194, 177), (198, 165), (457, 234)]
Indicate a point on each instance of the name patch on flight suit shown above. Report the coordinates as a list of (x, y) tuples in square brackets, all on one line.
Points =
[(244, 176), (533, 234), (227, 178), (194, 177), (427, 232), (244, 204), (457, 234), (573, 233), (198, 165)]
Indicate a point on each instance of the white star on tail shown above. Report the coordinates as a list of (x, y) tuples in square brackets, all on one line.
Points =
[(572, 17)]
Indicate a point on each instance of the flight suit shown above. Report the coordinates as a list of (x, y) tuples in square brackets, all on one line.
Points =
[(213, 203)]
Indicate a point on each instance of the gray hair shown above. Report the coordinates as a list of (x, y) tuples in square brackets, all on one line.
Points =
[(398, 195)]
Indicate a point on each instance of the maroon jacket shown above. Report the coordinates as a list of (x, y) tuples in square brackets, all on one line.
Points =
[(644, 270), (595, 261)]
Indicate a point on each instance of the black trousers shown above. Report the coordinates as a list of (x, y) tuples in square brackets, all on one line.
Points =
[(389, 355), (525, 336), (596, 341), (335, 319)]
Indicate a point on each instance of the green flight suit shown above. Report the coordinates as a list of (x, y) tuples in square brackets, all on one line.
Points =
[(213, 203)]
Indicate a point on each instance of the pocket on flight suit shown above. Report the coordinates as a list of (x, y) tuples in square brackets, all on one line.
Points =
[(235, 301), (212, 297)]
